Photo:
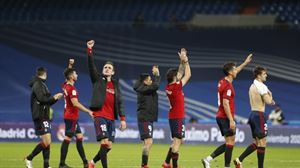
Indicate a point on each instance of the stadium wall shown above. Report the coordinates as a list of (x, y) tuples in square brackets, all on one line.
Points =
[(287, 136)]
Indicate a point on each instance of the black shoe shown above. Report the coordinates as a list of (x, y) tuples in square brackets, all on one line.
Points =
[(64, 166), (85, 165)]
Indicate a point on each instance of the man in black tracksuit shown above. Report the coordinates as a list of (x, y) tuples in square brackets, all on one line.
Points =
[(106, 104), (41, 100), (147, 110)]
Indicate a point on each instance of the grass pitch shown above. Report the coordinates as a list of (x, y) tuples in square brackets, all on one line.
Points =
[(129, 156)]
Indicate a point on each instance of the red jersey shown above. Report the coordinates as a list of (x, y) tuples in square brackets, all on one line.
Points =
[(176, 99), (225, 91), (107, 110), (70, 112)]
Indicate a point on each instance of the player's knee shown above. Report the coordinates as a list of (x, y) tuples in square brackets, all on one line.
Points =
[(109, 145), (68, 138), (262, 142), (79, 136), (230, 142), (175, 149), (104, 141), (47, 143), (146, 147), (148, 142)]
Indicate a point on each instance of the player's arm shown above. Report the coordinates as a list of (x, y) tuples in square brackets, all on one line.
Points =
[(181, 69), (268, 99), (77, 104), (245, 63), (151, 88), (123, 124), (184, 71), (91, 63), (187, 73), (228, 113), (42, 98)]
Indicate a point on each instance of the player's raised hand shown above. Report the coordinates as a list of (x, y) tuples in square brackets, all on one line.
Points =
[(90, 44), (155, 70), (123, 125), (248, 59), (183, 55), (71, 61)]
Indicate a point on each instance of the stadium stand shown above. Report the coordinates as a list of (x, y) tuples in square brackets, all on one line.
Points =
[(41, 32)]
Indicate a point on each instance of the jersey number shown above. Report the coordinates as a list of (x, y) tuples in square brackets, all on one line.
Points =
[(150, 129), (46, 124), (103, 128)]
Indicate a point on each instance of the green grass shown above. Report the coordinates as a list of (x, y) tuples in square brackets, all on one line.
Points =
[(128, 155)]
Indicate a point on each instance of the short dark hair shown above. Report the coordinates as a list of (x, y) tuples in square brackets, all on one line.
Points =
[(110, 63), (171, 73), (40, 71), (258, 70), (228, 67), (143, 76), (68, 72)]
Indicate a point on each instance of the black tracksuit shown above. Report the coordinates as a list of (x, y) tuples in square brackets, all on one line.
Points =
[(41, 99), (147, 100)]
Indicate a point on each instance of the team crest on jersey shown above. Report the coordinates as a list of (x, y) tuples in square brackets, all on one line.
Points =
[(74, 93), (228, 93)]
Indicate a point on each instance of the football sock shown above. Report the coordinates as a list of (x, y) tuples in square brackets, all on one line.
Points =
[(102, 152), (218, 151), (81, 150), (64, 151), (39, 147), (144, 160), (260, 156), (104, 158), (169, 155), (228, 154), (46, 156), (251, 148), (175, 159)]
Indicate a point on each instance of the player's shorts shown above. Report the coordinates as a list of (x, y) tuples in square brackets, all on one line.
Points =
[(224, 126), (177, 128), (72, 128), (104, 129), (258, 124), (146, 129), (42, 127)]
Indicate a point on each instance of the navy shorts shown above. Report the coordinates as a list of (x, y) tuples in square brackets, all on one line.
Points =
[(42, 127), (258, 124), (72, 128), (146, 129), (104, 129), (224, 126), (177, 128)]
